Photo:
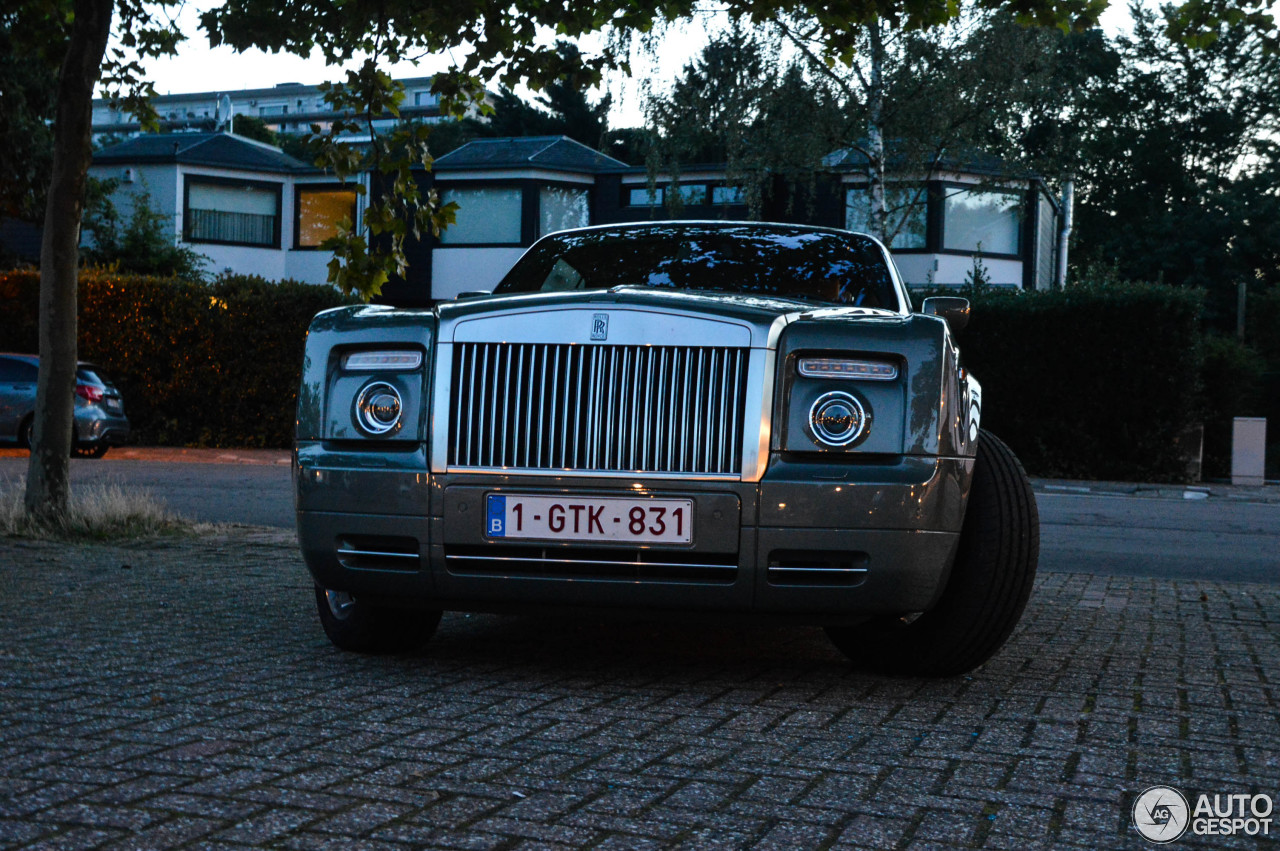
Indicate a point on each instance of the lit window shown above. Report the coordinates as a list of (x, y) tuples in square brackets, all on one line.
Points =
[(693, 194), (727, 195), (644, 198), (561, 209), (231, 212), (320, 210), (906, 209), (485, 216), (982, 220)]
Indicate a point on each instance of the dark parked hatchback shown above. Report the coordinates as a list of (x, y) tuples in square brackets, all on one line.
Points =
[(100, 422)]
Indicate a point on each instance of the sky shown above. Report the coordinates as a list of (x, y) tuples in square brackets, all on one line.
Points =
[(200, 68)]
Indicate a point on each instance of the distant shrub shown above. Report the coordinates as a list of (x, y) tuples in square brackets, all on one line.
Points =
[(1233, 387), (198, 364), (1263, 312)]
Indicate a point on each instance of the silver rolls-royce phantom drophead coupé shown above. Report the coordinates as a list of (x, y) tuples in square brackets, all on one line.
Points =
[(699, 417)]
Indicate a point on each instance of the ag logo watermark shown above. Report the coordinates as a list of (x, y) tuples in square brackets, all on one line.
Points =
[(1162, 815)]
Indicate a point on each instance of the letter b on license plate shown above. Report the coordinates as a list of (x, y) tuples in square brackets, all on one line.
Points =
[(561, 518)]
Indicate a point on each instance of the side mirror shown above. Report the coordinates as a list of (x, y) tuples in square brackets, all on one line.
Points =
[(953, 309), (472, 294)]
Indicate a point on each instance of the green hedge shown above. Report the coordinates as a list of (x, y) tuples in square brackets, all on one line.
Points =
[(1089, 382), (1263, 323), (198, 364), (1092, 382)]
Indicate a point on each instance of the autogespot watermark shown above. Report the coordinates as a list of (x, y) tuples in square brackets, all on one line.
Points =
[(1162, 815)]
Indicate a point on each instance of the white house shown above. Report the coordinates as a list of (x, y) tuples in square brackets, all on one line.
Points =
[(511, 191), (250, 208), (246, 206)]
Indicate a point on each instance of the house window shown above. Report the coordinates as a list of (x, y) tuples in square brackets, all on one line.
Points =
[(644, 198), (485, 216), (273, 110), (907, 214), (727, 195), (694, 194), (982, 220), (425, 99), (320, 210), (561, 208), (233, 212)]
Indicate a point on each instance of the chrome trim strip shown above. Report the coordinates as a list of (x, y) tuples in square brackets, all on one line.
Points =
[(773, 568), (688, 564), (756, 430), (358, 553)]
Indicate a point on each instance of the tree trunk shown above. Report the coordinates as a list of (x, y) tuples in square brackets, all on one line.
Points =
[(875, 132), (47, 473)]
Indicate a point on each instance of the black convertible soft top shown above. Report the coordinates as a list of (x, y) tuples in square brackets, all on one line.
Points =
[(790, 261)]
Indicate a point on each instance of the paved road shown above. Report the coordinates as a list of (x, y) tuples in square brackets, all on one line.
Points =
[(214, 487), (180, 694), (1122, 535), (1229, 536)]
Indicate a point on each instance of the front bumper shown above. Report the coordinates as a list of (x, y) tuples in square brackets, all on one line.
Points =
[(811, 540)]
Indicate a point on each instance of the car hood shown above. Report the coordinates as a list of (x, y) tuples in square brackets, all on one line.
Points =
[(759, 311)]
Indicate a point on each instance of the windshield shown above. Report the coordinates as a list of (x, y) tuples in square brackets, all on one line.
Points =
[(774, 260)]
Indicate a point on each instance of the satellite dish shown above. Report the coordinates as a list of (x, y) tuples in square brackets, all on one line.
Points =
[(222, 114)]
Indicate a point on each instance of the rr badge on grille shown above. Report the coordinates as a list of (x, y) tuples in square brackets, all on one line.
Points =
[(600, 326)]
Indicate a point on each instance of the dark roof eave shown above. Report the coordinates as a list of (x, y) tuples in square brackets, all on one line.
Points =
[(171, 159), (520, 165)]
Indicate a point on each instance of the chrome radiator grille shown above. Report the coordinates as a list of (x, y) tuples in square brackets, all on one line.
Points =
[(648, 409)]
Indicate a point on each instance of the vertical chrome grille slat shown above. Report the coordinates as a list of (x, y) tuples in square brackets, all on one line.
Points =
[(593, 412), (735, 417), (506, 405), (598, 408), (481, 412), (647, 403), (682, 462), (610, 405)]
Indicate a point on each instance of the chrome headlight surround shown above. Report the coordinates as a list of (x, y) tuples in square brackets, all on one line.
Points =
[(378, 409), (838, 419)]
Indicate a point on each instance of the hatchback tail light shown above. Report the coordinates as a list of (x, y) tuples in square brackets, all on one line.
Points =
[(89, 393)]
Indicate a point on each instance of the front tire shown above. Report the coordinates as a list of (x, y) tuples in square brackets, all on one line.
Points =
[(360, 627), (990, 582)]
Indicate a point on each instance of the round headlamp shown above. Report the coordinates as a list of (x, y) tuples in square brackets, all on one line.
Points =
[(838, 419), (378, 408)]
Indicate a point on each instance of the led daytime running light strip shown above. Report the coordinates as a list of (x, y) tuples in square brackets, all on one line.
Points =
[(866, 370), (389, 360)]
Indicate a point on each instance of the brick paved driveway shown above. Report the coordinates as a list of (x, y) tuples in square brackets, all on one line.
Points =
[(181, 693)]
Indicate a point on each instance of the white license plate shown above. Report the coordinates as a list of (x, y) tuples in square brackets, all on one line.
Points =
[(570, 518)]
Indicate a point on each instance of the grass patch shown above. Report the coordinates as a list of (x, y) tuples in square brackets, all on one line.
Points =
[(97, 512)]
